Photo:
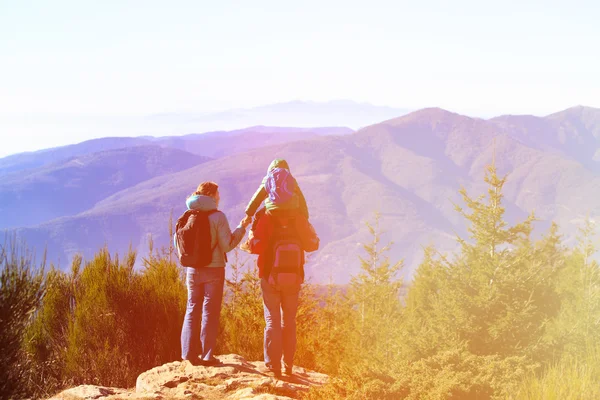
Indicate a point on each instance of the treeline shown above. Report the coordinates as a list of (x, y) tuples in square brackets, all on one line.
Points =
[(506, 317)]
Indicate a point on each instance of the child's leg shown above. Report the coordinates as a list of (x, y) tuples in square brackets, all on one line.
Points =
[(246, 244), (257, 217)]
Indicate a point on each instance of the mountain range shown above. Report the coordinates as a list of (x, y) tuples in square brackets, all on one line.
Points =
[(53, 130), (409, 169)]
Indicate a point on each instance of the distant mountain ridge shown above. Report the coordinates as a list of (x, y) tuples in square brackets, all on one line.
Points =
[(408, 168), (210, 144), (573, 133), (53, 130), (76, 184), (23, 161)]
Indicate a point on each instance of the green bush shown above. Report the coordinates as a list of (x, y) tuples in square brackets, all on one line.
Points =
[(124, 322), (571, 378), (454, 374), (46, 338), (21, 290)]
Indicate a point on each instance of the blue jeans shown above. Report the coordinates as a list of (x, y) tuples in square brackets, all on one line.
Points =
[(205, 294), (280, 307)]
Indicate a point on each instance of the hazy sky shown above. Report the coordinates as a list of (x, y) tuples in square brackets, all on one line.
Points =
[(142, 57)]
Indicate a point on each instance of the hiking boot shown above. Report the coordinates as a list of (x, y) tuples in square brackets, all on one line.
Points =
[(195, 361), (213, 362), (270, 371)]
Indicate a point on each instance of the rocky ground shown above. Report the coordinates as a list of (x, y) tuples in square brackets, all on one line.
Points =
[(236, 378)]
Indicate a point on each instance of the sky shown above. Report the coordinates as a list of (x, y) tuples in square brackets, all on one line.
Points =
[(65, 63)]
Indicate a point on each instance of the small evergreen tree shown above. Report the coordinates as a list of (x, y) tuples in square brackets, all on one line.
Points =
[(326, 339), (495, 293), (375, 292), (577, 329), (425, 303)]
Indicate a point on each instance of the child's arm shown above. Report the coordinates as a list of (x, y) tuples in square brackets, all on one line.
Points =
[(259, 197)]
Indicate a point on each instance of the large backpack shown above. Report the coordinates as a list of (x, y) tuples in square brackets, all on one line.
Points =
[(287, 255), (280, 185), (192, 236)]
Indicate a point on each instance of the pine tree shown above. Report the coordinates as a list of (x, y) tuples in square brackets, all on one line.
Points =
[(425, 303), (375, 291), (578, 326), (496, 291), (326, 338)]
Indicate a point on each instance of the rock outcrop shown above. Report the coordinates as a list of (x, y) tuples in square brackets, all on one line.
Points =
[(236, 378)]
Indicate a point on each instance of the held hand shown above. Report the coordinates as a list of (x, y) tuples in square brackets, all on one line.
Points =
[(246, 221)]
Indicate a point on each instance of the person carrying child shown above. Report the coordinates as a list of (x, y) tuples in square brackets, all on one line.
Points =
[(280, 235)]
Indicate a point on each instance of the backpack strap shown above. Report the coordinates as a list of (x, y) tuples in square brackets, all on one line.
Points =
[(208, 214), (213, 248)]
